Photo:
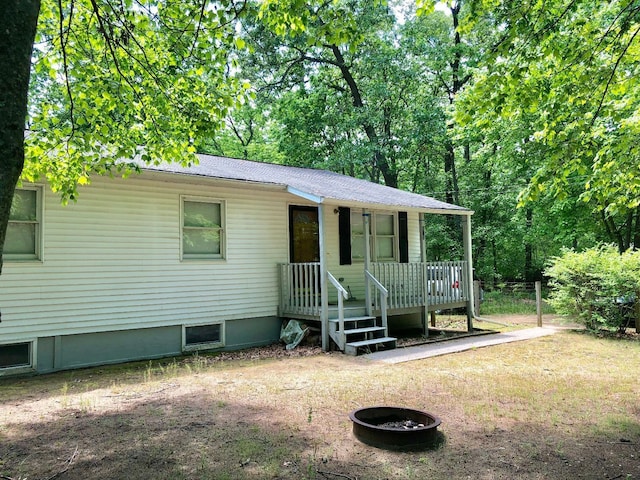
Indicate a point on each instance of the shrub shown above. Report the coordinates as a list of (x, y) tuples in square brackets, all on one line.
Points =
[(595, 286)]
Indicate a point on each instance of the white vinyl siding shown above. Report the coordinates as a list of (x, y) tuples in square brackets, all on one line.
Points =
[(202, 228), (24, 231), (113, 260)]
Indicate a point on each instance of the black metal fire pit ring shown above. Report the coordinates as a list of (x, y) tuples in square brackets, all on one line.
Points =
[(371, 425)]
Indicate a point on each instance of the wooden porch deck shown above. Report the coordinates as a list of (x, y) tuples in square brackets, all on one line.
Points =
[(410, 286), (390, 289)]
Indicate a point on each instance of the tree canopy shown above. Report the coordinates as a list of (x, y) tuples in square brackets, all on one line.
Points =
[(568, 71), (524, 111), (113, 81), (127, 80)]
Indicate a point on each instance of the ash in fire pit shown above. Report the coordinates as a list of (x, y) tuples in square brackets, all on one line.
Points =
[(402, 425), (395, 427)]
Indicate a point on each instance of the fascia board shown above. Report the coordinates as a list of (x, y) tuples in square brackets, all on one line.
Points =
[(307, 196)]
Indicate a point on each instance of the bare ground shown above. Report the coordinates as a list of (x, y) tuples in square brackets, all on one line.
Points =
[(268, 413)]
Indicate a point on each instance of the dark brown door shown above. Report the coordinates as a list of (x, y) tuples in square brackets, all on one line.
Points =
[(304, 238)]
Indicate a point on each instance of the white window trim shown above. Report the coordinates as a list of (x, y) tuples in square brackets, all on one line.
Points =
[(223, 238), (28, 258), (33, 358), (372, 237), (203, 346)]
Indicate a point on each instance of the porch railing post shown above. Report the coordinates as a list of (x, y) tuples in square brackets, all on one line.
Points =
[(367, 261), (384, 294), (425, 298), (468, 256), (324, 294)]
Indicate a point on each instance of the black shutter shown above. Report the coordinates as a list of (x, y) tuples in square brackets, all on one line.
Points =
[(403, 237), (344, 232)]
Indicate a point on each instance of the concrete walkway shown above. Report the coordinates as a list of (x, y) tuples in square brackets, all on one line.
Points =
[(419, 352)]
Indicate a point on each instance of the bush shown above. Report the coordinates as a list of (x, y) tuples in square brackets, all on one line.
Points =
[(595, 286)]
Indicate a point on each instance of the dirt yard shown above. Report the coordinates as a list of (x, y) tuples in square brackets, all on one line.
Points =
[(560, 407)]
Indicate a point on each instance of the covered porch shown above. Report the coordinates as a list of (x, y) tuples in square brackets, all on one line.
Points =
[(354, 304)]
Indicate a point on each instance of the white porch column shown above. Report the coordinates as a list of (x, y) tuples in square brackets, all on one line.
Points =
[(366, 220), (423, 252), (324, 293), (423, 259), (466, 234)]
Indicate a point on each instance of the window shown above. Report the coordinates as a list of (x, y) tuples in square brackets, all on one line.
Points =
[(357, 235), (24, 230), (200, 337), (15, 356), (382, 236), (385, 237), (202, 229)]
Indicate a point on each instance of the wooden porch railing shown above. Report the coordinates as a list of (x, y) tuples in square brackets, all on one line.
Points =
[(448, 283), (379, 299), (445, 283), (342, 296), (404, 282), (300, 288)]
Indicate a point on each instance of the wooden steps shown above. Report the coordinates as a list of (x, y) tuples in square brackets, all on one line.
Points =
[(371, 345), (361, 334)]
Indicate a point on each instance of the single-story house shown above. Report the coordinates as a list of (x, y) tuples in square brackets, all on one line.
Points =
[(216, 256)]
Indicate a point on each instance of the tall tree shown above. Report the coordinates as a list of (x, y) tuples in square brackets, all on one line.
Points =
[(17, 33), (112, 80), (570, 70), (351, 94)]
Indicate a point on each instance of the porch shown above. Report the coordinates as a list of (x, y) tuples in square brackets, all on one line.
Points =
[(388, 289)]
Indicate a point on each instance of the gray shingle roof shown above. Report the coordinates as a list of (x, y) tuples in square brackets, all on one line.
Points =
[(322, 185)]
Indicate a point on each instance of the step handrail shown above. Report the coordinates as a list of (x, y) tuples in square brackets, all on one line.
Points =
[(342, 295), (384, 293)]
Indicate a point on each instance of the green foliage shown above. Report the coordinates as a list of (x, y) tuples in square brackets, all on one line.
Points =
[(354, 91), (317, 22), (564, 79), (593, 285), (127, 80)]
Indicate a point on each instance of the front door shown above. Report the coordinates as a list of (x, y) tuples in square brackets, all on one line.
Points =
[(304, 238)]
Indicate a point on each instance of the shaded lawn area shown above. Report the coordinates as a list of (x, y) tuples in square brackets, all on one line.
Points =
[(560, 407)]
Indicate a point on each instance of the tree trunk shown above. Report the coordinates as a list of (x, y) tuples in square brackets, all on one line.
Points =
[(613, 231), (636, 231), (453, 191), (381, 162), (528, 249), (453, 194), (494, 251), (17, 34)]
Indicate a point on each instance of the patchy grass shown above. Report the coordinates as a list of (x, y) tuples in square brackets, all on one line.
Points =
[(502, 302), (562, 406)]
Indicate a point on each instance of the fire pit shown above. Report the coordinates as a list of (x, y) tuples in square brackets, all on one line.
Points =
[(395, 427)]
